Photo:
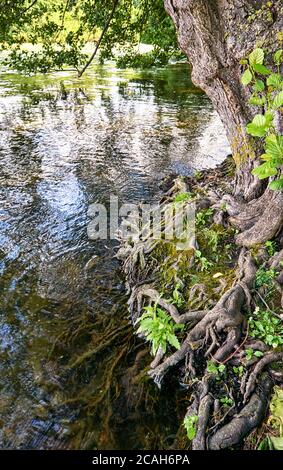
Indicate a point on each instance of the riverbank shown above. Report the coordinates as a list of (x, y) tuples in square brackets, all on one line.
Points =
[(212, 316)]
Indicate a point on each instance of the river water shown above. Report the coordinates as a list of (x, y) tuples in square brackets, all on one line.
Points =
[(67, 353)]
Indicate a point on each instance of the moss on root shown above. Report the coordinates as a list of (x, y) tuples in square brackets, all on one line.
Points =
[(212, 289)]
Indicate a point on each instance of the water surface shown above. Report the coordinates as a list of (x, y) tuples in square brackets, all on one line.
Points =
[(65, 143)]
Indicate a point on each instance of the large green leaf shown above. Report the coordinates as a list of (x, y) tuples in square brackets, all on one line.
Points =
[(246, 77), (264, 171), (259, 85), (278, 100), (257, 127), (276, 185), (256, 57), (257, 100), (277, 442), (274, 80), (274, 146), (261, 69), (173, 340)]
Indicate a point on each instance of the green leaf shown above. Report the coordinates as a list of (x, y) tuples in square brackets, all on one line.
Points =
[(259, 85), (278, 56), (256, 57), (259, 120), (277, 442), (258, 353), (274, 146), (274, 80), (257, 127), (257, 100), (261, 69), (264, 171), (246, 77), (173, 340), (276, 185), (278, 100)]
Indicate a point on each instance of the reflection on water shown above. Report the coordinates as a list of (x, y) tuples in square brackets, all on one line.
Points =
[(64, 143)]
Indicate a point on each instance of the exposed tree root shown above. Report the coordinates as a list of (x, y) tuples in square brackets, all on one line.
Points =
[(267, 359), (242, 423), (260, 220), (225, 316), (218, 331)]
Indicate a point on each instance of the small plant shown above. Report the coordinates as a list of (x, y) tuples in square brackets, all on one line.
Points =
[(158, 328), (215, 369), (250, 354), (239, 370), (265, 277), (270, 247), (182, 197), (202, 217), (198, 175), (205, 265), (212, 238), (227, 401), (267, 93), (190, 424), (177, 297), (265, 326)]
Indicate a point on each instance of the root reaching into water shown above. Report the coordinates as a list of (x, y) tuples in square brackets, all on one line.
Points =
[(228, 392)]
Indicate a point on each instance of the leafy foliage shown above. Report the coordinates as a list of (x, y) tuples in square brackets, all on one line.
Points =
[(265, 277), (159, 328), (215, 369), (250, 354), (205, 265), (177, 298), (227, 401), (267, 327), (62, 28), (190, 424), (267, 93)]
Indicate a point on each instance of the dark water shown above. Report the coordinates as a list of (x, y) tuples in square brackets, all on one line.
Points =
[(65, 143)]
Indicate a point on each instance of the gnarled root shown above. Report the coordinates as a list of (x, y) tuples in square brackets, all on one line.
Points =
[(260, 220), (243, 423), (226, 317)]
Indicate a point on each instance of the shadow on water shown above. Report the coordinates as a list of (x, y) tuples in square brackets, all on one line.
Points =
[(71, 371)]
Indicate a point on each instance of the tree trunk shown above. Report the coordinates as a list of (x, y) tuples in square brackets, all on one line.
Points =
[(215, 35)]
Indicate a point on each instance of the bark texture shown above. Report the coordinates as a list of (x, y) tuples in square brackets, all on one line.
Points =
[(215, 35)]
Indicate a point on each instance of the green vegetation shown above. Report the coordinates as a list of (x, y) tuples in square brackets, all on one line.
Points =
[(190, 424), (216, 369), (274, 439), (158, 328), (266, 326), (177, 297), (61, 29), (267, 93), (250, 354), (265, 277), (227, 401)]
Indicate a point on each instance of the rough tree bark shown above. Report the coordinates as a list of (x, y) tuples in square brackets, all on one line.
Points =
[(215, 35)]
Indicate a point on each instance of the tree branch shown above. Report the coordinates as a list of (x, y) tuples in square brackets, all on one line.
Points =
[(115, 4)]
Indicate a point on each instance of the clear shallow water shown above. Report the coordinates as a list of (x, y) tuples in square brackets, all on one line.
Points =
[(65, 143)]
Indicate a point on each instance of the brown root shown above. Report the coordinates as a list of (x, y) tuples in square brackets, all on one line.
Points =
[(260, 220), (225, 316), (267, 359), (245, 421)]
